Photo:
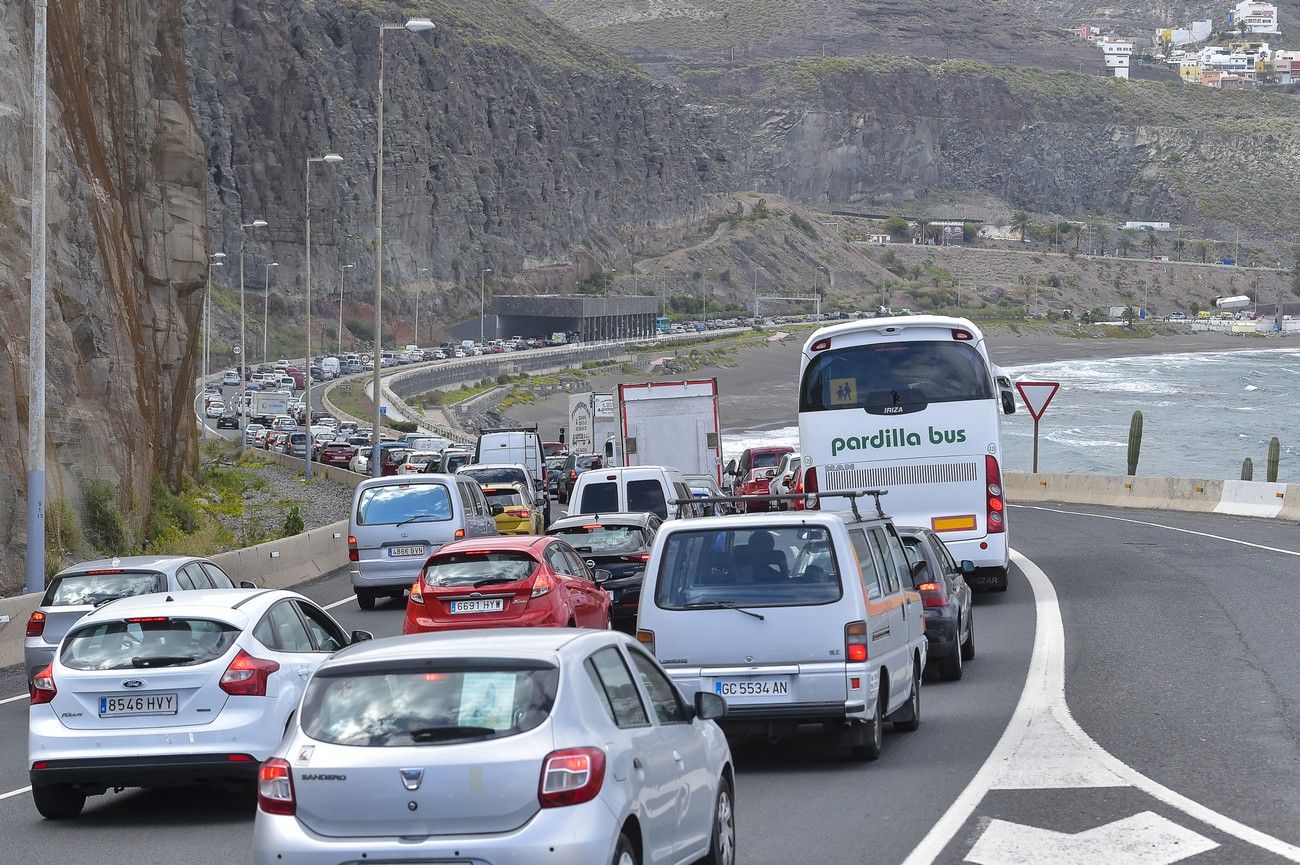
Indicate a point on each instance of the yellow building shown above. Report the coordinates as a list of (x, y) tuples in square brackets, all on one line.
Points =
[(1190, 71)]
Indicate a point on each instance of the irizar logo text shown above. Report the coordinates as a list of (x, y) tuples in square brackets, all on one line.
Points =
[(897, 437)]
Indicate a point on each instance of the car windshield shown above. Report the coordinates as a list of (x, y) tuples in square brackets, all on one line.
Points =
[(894, 374), (396, 503), (504, 497), (76, 590), (769, 567), (595, 538), (484, 567), (765, 460), (495, 475), (146, 642), (428, 703)]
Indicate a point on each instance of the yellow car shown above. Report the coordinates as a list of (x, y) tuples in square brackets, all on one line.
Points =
[(520, 514)]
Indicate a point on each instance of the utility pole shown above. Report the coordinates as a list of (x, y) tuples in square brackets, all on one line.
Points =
[(36, 324), (207, 328), (328, 159), (266, 310), (241, 359), (342, 269), (416, 340)]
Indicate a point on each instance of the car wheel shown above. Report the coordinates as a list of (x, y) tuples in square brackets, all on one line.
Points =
[(722, 847), (911, 719), (968, 645), (624, 852), (58, 801), (365, 599), (950, 668), (873, 732)]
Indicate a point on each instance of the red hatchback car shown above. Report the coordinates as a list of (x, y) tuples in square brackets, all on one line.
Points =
[(521, 581)]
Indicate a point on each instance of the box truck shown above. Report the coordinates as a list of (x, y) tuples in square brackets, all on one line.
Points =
[(592, 422), (671, 423)]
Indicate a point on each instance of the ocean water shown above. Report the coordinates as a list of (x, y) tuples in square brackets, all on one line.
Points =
[(1203, 413)]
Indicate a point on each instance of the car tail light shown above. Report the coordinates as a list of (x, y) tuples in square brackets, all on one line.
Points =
[(417, 594), (541, 585), (638, 557), (36, 624), (458, 534), (647, 639), (811, 501), (855, 641), (573, 474), (518, 513), (820, 345), (353, 554), (570, 777), (42, 687), (962, 335), (997, 505), (246, 676), (932, 595), (275, 787)]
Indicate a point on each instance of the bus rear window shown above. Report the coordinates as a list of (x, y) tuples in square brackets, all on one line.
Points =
[(894, 374)]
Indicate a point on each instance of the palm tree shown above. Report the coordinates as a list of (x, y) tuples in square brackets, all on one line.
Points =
[(1179, 246), (1101, 232), (1204, 249), (1020, 223), (1152, 242), (1125, 243)]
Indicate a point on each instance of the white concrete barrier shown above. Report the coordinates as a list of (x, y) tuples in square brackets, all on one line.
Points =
[(1241, 498), (1252, 499)]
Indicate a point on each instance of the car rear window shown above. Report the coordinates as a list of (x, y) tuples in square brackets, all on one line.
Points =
[(504, 497), (452, 462), (147, 642), (598, 498), (647, 496), (88, 589), (436, 704), (769, 567), (479, 568), (594, 538), (491, 475), (397, 503)]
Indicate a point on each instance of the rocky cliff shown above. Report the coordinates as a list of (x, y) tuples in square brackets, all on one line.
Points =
[(510, 144), (126, 238)]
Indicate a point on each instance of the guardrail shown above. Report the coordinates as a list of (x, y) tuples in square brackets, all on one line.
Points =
[(1240, 498)]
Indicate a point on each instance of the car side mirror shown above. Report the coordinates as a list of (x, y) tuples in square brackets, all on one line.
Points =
[(731, 467), (247, 584), (920, 571), (497, 510), (602, 576), (709, 705), (360, 637), (967, 566)]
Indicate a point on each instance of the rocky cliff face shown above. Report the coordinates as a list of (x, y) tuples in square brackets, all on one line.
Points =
[(510, 144), (126, 246)]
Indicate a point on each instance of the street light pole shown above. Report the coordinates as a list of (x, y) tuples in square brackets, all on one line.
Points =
[(482, 301), (36, 324), (242, 359), (329, 159), (342, 268), (207, 328), (266, 310), (414, 25), (417, 302)]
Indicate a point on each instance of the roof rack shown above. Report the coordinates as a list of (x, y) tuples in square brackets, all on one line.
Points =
[(854, 495), (851, 495)]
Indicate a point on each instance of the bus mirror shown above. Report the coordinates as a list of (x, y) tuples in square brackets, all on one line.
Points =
[(1008, 402)]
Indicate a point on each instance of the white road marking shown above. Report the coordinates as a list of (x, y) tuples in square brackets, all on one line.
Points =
[(1042, 702), (1162, 526), (13, 793), (339, 603), (15, 698), (1143, 839)]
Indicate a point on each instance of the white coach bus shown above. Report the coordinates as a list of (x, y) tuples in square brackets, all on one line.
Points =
[(911, 405)]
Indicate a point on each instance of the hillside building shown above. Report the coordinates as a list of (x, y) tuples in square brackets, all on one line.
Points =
[(1116, 55), (1176, 37), (1254, 16)]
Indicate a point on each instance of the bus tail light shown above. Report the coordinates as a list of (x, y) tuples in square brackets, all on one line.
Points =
[(997, 522), (855, 642), (962, 335), (811, 501), (821, 344)]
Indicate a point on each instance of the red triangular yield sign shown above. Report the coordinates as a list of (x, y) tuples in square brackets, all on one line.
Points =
[(1037, 395)]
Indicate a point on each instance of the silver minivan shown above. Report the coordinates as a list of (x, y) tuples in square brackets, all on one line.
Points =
[(397, 522), (793, 619)]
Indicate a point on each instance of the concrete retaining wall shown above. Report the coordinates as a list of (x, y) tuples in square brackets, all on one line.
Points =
[(1242, 498)]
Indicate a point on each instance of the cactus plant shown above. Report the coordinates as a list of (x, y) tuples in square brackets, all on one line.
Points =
[(1134, 442), (1274, 457), (1247, 470)]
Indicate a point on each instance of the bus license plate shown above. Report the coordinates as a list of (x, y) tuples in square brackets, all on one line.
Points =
[(396, 552), (137, 704), (484, 605), (769, 686)]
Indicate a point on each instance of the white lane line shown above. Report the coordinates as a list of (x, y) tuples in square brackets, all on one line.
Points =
[(15, 698), (339, 603), (1044, 696), (17, 792), (1162, 526)]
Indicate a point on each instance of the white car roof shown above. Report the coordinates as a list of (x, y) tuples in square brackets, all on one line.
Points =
[(237, 606), (898, 321), (538, 643)]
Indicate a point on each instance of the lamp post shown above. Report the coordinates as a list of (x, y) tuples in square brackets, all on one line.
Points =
[(243, 349), (35, 559), (207, 327), (414, 25), (342, 268), (266, 309), (482, 301), (417, 302), (328, 159)]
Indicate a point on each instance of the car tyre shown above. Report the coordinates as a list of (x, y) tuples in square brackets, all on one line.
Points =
[(365, 599), (950, 668), (968, 645), (58, 801), (722, 846), (624, 852), (911, 713), (874, 730)]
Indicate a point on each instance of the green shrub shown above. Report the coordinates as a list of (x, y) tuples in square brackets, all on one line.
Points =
[(106, 527), (803, 225), (293, 522)]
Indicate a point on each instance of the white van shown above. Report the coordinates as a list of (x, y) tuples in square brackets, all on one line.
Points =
[(632, 489), (800, 619), (521, 446)]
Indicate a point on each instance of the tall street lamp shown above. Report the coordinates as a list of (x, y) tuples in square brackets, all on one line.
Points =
[(342, 269), (216, 260), (35, 559), (482, 301), (414, 25), (266, 309), (241, 360), (328, 159), (417, 302)]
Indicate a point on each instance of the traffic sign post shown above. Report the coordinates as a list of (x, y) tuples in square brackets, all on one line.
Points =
[(1037, 395)]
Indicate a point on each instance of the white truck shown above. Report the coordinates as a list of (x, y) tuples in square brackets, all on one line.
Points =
[(268, 404), (671, 423), (592, 422)]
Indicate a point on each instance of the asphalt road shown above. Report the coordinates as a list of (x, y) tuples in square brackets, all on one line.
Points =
[(1177, 668)]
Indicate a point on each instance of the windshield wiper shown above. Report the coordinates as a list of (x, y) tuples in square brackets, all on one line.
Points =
[(494, 581), (162, 660), (413, 519), (450, 731), (726, 605)]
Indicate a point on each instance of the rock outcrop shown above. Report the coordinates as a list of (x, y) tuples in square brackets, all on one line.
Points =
[(125, 260)]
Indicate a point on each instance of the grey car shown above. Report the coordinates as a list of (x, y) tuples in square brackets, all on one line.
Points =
[(73, 592), (397, 522), (511, 746)]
